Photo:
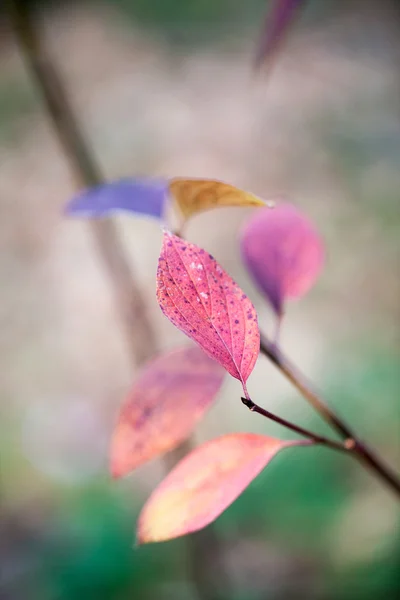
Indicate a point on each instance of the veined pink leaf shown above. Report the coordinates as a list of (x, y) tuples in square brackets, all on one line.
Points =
[(283, 252), (204, 484), (200, 298), (277, 23), (169, 397)]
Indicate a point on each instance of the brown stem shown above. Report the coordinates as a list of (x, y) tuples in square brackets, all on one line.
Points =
[(278, 327), (318, 439), (131, 304), (354, 445)]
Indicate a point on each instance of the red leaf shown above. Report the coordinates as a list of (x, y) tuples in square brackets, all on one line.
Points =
[(204, 484), (200, 298), (283, 252), (170, 396)]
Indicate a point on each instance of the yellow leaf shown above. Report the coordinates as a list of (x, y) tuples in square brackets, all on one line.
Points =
[(205, 483), (197, 195)]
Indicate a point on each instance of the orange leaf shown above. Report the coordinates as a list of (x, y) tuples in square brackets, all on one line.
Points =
[(198, 195), (170, 396), (204, 484)]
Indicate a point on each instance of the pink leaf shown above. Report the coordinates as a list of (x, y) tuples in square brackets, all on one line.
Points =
[(204, 484), (200, 298), (283, 252), (170, 396)]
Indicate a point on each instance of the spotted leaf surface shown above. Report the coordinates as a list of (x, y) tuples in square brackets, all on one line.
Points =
[(283, 252), (200, 298), (204, 484), (278, 21), (138, 196), (169, 397), (197, 195)]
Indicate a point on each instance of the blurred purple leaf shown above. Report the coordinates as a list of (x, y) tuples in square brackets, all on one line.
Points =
[(138, 196), (283, 252), (278, 20)]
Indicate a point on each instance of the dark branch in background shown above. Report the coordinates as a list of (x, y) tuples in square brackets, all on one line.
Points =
[(352, 443), (131, 305)]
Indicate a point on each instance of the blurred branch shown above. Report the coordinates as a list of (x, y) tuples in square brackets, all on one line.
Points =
[(353, 444), (131, 305), (130, 302), (205, 551)]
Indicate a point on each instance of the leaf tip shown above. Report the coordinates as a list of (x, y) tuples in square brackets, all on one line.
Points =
[(117, 467), (115, 471), (143, 534), (137, 541), (121, 461)]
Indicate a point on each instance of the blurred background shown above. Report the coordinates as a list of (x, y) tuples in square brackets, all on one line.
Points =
[(165, 88)]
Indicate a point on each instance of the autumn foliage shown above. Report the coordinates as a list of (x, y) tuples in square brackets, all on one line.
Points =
[(284, 255)]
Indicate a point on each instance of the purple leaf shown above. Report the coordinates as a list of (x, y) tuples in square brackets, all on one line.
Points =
[(276, 25), (283, 252), (138, 196)]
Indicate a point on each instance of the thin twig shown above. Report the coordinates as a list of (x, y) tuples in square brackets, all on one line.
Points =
[(318, 439), (278, 327), (130, 301), (354, 445)]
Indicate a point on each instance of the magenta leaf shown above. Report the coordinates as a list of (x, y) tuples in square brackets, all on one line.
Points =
[(138, 196), (201, 300), (277, 23), (283, 252)]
